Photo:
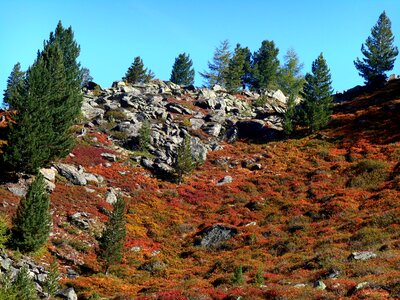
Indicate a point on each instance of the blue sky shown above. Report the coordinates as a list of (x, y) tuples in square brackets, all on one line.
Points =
[(112, 33)]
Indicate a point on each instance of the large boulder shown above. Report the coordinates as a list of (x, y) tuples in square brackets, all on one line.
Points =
[(72, 173), (214, 236)]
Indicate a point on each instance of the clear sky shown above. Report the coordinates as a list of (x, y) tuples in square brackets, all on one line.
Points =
[(112, 33)]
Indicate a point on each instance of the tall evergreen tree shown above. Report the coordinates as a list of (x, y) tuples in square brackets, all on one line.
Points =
[(379, 51), (265, 66), (218, 68), (24, 286), (239, 71), (182, 70), (31, 224), (137, 73), (49, 103), (85, 76), (111, 243), (15, 86), (317, 94)]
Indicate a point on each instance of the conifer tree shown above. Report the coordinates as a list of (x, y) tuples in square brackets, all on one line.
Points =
[(85, 76), (15, 87), (182, 70), (218, 68), (31, 224), (317, 94), (111, 243), (144, 140), (265, 66), (137, 73), (51, 285), (379, 51), (24, 286), (239, 71), (184, 163), (49, 103)]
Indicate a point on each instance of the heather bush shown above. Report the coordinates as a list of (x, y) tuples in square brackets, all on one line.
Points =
[(368, 174)]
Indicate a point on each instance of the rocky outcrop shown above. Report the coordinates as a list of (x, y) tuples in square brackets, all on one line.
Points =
[(173, 112), (215, 235)]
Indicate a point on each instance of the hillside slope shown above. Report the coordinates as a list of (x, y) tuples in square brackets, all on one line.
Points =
[(314, 217)]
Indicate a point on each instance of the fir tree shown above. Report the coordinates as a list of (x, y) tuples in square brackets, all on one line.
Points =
[(265, 66), (51, 285), (237, 278), (137, 73), (144, 136), (111, 243), (184, 163), (290, 115), (379, 51), (218, 68), (239, 71), (15, 87), (85, 76), (31, 224), (317, 94), (24, 286), (182, 70)]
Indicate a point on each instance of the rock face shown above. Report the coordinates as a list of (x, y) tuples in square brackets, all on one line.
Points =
[(213, 236), (172, 112)]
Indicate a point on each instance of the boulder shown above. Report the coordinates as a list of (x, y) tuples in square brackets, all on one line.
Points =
[(109, 156), (213, 129), (362, 255), (71, 173), (213, 236), (68, 294), (226, 179), (198, 149), (91, 112), (49, 173), (80, 219), (111, 196)]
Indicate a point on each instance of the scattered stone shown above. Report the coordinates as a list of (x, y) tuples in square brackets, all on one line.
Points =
[(154, 266), (213, 236), (19, 191), (226, 179), (319, 284), (361, 285), (80, 219), (71, 173), (109, 156), (362, 255), (333, 273), (111, 196), (68, 294), (49, 174)]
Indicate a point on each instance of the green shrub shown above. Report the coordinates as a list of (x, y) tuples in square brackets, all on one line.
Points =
[(368, 174), (260, 101), (368, 237), (112, 115)]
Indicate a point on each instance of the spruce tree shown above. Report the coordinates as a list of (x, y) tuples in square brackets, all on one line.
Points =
[(51, 285), (265, 66), (137, 73), (111, 243), (31, 224), (144, 139), (182, 70), (24, 286), (317, 94), (184, 162), (218, 68), (239, 71), (15, 87), (379, 51)]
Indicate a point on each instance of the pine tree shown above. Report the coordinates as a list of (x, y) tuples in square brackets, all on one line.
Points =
[(31, 224), (239, 71), (265, 66), (290, 115), (379, 51), (237, 278), (290, 80), (111, 243), (15, 87), (137, 73), (144, 140), (218, 68), (182, 70), (184, 163), (51, 285), (317, 94), (24, 286), (49, 104)]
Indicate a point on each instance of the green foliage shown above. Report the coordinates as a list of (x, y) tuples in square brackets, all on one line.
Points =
[(51, 285), (290, 114), (4, 236), (368, 174), (47, 101), (218, 68), (15, 87), (368, 237), (265, 66), (260, 101), (111, 243), (259, 278), (144, 136), (379, 52), (31, 224), (317, 94), (85, 76), (184, 163), (24, 286), (290, 80), (182, 70), (237, 278), (137, 73), (239, 70)]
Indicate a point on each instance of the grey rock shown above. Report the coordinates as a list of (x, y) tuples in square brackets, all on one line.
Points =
[(362, 255), (5, 263), (319, 284), (41, 278), (71, 173), (361, 285), (213, 236), (196, 123), (91, 112), (109, 156), (198, 149), (49, 173), (213, 129), (80, 219), (19, 191), (68, 294), (111, 196), (226, 179)]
